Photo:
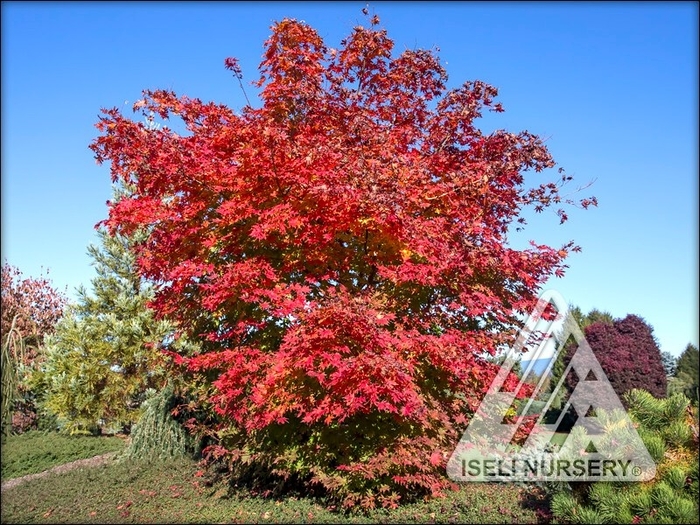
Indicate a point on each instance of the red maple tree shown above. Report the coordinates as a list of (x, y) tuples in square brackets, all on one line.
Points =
[(342, 253)]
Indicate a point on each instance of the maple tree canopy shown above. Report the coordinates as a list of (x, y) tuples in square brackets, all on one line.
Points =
[(342, 249)]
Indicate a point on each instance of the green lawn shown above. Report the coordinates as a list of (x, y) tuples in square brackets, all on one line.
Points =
[(126, 491), (559, 438), (35, 451)]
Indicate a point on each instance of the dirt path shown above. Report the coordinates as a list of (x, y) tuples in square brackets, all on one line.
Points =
[(58, 469)]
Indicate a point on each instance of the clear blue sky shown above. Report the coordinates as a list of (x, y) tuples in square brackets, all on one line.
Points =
[(614, 87)]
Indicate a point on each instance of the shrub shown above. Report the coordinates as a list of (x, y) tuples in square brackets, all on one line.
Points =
[(158, 435), (30, 310), (671, 497), (628, 353)]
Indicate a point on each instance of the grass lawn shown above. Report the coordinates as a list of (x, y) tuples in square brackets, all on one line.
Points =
[(36, 451), (558, 438), (125, 491)]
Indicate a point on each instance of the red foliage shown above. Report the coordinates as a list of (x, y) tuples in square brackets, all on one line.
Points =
[(32, 307), (33, 304), (629, 355), (342, 249)]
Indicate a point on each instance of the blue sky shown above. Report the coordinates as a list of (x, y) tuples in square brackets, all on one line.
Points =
[(613, 87)]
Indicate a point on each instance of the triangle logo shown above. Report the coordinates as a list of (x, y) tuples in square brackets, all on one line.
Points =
[(588, 437)]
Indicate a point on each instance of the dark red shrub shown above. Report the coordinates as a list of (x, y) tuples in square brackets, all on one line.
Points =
[(629, 355)]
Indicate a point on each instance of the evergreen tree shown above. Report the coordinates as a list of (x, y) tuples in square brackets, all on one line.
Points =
[(688, 363), (594, 316), (670, 362), (685, 379), (598, 316), (105, 353)]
